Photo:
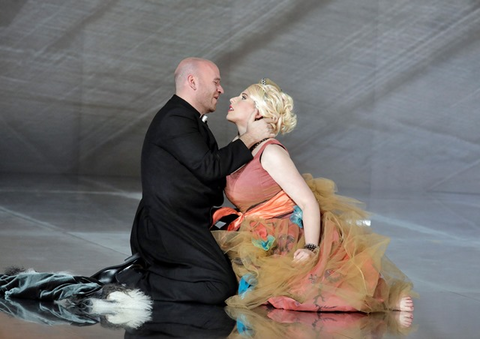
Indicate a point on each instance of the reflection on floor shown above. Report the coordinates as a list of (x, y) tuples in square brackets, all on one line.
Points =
[(81, 224)]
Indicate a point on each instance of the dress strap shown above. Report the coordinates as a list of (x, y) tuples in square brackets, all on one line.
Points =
[(269, 142)]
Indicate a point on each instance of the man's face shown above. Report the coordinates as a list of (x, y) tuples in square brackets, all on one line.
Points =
[(209, 88)]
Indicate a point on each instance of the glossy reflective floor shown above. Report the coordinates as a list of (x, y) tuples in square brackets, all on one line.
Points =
[(81, 224)]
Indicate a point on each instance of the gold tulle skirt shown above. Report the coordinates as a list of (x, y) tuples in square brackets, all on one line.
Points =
[(350, 272)]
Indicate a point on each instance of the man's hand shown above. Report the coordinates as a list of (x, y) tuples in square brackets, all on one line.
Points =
[(257, 130)]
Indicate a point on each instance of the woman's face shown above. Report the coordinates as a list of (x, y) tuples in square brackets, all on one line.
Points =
[(241, 107)]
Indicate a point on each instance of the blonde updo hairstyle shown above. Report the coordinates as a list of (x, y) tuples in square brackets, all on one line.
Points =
[(274, 104)]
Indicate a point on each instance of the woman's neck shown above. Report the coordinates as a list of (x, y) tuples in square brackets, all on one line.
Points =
[(241, 129)]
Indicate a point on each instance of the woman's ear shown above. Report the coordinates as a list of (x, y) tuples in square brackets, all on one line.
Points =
[(258, 116)]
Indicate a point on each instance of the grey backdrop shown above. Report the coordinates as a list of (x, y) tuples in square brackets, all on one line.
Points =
[(387, 91)]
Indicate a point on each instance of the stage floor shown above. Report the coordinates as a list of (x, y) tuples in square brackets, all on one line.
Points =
[(82, 224)]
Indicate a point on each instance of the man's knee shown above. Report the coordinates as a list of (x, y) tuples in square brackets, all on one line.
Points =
[(217, 292)]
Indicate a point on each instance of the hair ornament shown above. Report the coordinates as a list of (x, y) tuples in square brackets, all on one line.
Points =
[(267, 81)]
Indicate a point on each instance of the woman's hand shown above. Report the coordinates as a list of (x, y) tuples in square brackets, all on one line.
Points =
[(302, 255)]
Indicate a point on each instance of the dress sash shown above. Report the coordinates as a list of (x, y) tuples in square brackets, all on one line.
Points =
[(279, 205)]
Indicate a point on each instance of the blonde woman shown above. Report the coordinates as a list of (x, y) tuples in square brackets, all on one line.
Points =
[(295, 244)]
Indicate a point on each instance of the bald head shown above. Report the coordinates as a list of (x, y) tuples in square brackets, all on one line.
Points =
[(197, 81), (185, 67)]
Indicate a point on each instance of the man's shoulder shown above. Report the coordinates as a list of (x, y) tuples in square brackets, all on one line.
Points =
[(176, 106), (173, 118)]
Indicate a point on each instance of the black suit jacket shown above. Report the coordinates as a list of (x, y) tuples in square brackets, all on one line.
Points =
[(183, 177)]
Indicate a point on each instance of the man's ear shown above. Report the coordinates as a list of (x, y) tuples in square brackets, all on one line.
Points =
[(192, 82)]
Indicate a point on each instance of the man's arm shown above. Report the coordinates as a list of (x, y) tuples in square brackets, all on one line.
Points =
[(180, 136)]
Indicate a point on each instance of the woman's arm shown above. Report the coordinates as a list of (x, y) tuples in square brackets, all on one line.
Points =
[(277, 162)]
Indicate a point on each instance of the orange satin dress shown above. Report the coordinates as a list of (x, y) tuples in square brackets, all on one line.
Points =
[(350, 272)]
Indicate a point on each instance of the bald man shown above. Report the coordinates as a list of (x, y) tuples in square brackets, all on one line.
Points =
[(183, 177)]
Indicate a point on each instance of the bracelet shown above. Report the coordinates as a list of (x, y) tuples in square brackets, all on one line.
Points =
[(310, 247)]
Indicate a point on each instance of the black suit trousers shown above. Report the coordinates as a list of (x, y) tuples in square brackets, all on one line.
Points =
[(186, 266)]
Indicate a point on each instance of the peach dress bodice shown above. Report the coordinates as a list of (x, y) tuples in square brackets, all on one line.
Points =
[(251, 184)]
